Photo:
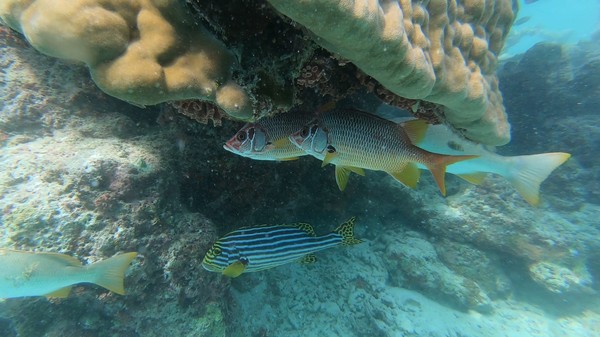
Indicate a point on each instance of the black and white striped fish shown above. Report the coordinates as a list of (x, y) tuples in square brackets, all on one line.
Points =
[(251, 249)]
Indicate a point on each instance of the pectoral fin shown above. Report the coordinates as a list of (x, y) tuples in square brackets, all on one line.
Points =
[(280, 143), (235, 269), (288, 159), (60, 293), (409, 175), (328, 158)]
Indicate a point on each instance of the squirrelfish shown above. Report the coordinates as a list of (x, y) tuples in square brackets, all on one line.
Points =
[(251, 249), (52, 275), (267, 138), (354, 140), (525, 173)]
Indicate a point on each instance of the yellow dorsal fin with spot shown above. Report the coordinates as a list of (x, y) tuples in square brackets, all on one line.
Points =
[(328, 158), (308, 228), (474, 178), (235, 269), (60, 293), (415, 130), (409, 175)]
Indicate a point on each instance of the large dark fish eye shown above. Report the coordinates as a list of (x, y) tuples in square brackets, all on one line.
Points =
[(304, 132), (241, 136)]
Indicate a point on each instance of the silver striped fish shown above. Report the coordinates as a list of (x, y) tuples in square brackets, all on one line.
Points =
[(251, 249), (267, 138), (355, 140)]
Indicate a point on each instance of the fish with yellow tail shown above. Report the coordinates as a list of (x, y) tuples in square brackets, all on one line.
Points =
[(267, 138), (526, 173), (25, 273), (251, 249), (354, 140)]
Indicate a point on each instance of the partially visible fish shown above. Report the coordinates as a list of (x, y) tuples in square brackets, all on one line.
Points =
[(522, 20), (251, 249), (354, 140), (52, 275), (267, 139), (526, 173)]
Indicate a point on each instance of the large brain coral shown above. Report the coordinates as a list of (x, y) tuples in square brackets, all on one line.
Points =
[(141, 51), (442, 51)]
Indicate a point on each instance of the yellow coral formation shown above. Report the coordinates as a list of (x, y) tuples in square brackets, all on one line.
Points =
[(442, 51), (141, 51)]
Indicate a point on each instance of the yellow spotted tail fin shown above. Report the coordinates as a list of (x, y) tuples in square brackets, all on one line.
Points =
[(110, 273), (346, 230), (528, 172)]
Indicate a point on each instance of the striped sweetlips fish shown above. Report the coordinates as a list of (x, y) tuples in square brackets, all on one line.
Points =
[(268, 138), (354, 140), (256, 248)]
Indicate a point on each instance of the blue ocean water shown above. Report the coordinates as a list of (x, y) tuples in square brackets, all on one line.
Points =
[(552, 21), (90, 176)]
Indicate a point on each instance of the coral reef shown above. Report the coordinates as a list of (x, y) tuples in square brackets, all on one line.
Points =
[(143, 52), (439, 57), (439, 51), (81, 177), (90, 176)]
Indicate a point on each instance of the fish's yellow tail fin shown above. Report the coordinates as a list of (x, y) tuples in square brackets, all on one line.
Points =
[(437, 165), (528, 172), (346, 230), (109, 273)]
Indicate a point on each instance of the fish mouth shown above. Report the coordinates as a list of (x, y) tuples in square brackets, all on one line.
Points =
[(227, 146)]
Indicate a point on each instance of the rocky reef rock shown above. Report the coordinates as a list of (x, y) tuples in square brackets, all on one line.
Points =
[(81, 177)]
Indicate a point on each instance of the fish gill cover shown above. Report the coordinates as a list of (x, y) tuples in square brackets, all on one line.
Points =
[(91, 176)]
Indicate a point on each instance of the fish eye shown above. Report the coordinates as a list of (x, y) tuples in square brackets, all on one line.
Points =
[(217, 251), (304, 132), (241, 136)]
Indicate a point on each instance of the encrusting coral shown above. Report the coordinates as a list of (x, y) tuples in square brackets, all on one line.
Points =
[(441, 51), (140, 51)]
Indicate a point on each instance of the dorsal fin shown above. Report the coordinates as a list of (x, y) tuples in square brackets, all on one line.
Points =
[(308, 228), (69, 260), (415, 130)]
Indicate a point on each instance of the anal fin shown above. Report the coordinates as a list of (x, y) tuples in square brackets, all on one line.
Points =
[(473, 178), (308, 259), (60, 293), (409, 175)]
